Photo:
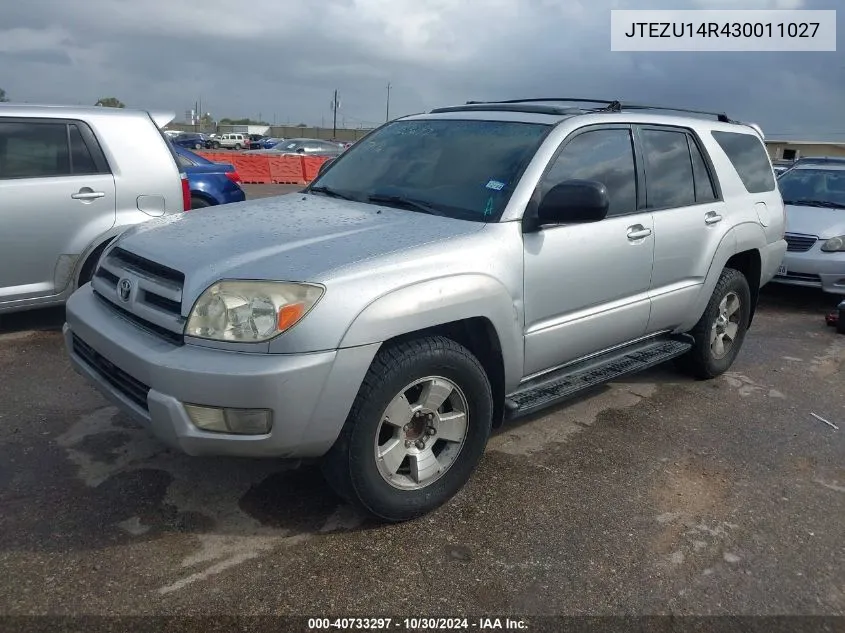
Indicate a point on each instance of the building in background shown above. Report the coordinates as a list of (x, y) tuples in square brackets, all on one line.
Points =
[(788, 151)]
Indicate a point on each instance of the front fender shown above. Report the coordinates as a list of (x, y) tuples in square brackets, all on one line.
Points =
[(444, 300)]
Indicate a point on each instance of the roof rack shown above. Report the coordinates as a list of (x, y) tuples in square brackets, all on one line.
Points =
[(509, 107), (610, 106)]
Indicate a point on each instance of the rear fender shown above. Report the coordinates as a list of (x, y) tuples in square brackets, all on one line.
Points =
[(726, 249)]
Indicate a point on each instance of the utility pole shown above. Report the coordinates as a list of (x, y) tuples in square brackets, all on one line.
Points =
[(199, 113), (387, 113), (335, 106)]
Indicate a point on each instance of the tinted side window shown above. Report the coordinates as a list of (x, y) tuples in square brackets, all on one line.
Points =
[(705, 191), (749, 158), (606, 156), (669, 180), (81, 159), (33, 150)]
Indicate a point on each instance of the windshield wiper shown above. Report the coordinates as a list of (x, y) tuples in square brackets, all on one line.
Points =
[(408, 203), (332, 193), (823, 204)]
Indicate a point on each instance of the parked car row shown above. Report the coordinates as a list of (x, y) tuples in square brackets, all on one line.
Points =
[(257, 142)]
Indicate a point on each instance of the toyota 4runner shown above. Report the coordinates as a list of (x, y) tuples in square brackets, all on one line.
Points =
[(451, 270)]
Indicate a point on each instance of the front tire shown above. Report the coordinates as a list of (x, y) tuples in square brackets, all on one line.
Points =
[(237, 146), (720, 332), (416, 431)]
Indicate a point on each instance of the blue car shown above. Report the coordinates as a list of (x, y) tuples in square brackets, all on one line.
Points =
[(266, 143), (210, 183), (192, 140)]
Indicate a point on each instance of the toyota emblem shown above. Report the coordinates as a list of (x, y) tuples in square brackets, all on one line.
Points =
[(124, 289)]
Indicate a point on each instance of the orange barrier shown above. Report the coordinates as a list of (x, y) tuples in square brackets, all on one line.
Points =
[(253, 170), (286, 170), (262, 169), (311, 165)]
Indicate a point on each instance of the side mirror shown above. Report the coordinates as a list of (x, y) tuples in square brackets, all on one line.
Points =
[(323, 167), (574, 201)]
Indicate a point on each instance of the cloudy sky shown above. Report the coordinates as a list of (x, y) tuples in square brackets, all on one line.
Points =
[(282, 59)]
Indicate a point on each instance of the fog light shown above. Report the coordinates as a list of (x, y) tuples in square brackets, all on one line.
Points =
[(239, 421)]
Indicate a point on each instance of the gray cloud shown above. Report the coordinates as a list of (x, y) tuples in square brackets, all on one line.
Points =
[(285, 59)]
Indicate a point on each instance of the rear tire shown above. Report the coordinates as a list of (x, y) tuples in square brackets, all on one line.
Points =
[(199, 203), (840, 322), (416, 431), (720, 332)]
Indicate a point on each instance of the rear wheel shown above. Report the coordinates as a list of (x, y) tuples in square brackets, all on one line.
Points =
[(199, 203), (416, 431), (720, 332)]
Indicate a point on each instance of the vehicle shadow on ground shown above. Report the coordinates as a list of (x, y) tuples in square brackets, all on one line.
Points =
[(42, 320)]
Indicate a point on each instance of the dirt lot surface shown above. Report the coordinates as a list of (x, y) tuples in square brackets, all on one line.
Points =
[(656, 495)]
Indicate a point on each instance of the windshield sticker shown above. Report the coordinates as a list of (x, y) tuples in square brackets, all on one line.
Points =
[(495, 185), (488, 210)]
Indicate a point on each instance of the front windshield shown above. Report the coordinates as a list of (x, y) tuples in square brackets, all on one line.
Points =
[(815, 186), (465, 169)]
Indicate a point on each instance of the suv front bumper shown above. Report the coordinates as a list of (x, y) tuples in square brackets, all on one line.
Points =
[(151, 379)]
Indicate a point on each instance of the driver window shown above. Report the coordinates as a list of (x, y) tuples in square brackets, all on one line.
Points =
[(606, 156)]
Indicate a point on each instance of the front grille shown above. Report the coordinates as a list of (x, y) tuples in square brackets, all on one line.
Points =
[(133, 389), (152, 328), (152, 298), (799, 243)]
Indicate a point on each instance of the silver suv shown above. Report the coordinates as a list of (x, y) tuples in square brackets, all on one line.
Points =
[(71, 179), (451, 270)]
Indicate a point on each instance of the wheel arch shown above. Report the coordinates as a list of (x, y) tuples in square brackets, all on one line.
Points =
[(476, 310)]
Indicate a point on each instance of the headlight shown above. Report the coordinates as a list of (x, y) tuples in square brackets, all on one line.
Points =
[(250, 311), (834, 244)]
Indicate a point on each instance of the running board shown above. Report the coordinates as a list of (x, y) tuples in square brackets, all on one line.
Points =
[(573, 379)]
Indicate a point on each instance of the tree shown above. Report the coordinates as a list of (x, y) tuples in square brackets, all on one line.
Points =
[(206, 119), (110, 102), (228, 121), (301, 125), (3, 96)]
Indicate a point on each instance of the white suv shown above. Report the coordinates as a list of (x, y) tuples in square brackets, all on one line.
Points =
[(232, 141)]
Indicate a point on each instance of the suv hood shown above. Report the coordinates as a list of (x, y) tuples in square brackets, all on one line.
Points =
[(823, 223), (295, 237)]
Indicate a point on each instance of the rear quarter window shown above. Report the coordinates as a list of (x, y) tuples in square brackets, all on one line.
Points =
[(750, 159)]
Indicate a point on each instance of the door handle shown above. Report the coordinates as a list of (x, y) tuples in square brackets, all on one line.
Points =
[(638, 232), (87, 195), (712, 217)]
